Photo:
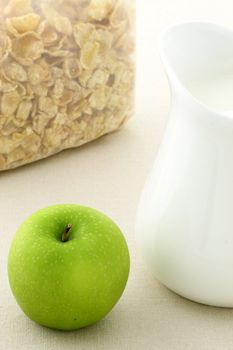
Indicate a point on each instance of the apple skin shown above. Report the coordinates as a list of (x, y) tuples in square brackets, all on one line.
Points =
[(73, 284)]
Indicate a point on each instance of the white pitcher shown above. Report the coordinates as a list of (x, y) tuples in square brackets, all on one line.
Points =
[(185, 216)]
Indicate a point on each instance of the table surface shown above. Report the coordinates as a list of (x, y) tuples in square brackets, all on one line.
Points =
[(109, 174)]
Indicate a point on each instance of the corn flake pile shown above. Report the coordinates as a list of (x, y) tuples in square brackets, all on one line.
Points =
[(66, 74)]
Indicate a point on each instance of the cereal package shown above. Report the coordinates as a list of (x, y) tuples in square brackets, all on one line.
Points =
[(66, 74)]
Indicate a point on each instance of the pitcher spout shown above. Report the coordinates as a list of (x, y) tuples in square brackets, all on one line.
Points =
[(198, 60)]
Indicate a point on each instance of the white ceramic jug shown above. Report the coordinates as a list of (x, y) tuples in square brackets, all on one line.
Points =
[(185, 216)]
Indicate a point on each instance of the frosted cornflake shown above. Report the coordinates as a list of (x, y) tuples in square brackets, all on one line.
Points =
[(38, 73), (27, 48), (66, 74), (15, 72), (23, 24)]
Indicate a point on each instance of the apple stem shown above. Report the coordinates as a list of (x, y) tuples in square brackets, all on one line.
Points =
[(66, 233)]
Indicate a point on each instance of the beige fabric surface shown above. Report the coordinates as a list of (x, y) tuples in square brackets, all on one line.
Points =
[(109, 174)]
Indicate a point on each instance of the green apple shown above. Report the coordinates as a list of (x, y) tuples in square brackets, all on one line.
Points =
[(68, 266)]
